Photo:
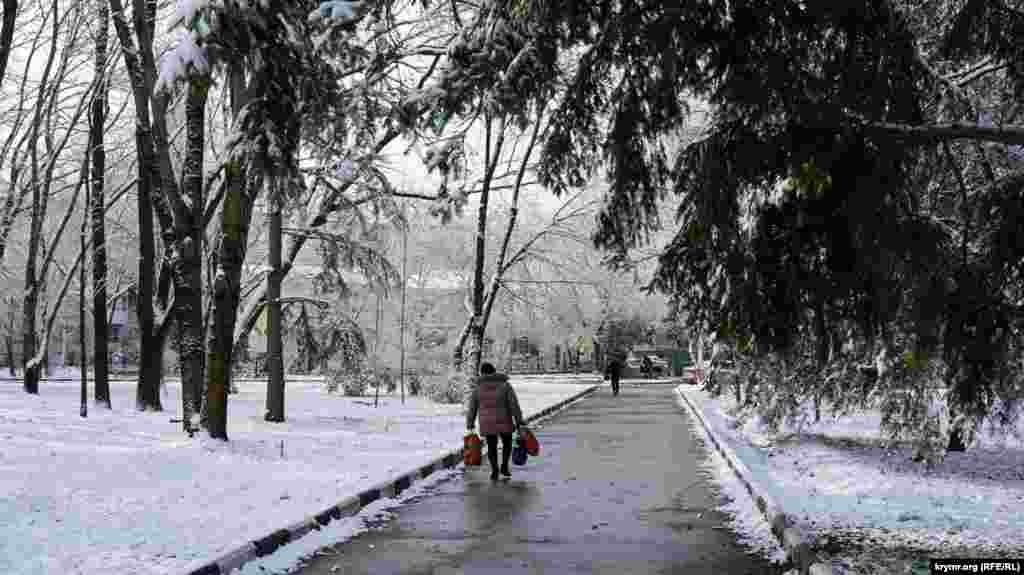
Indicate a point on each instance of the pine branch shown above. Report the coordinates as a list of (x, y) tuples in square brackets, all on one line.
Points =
[(980, 71), (937, 133)]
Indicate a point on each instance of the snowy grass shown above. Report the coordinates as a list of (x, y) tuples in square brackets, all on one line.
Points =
[(127, 492), (839, 481)]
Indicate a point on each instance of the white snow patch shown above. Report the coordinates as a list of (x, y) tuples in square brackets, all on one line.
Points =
[(123, 491), (186, 56), (836, 477), (293, 555), (185, 10)]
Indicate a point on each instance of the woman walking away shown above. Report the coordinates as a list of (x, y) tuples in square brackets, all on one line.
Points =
[(496, 401), (613, 371)]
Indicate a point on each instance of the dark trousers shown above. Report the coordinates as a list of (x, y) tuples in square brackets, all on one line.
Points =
[(492, 449), (615, 385)]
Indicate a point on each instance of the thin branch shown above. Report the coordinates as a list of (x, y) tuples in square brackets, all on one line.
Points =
[(981, 72), (211, 207), (545, 282), (936, 133)]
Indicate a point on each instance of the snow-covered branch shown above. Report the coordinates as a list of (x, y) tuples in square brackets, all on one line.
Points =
[(936, 133)]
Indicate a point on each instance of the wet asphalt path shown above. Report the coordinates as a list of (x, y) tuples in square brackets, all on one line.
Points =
[(616, 490)]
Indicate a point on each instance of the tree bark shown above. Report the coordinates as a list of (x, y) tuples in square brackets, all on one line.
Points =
[(83, 408), (99, 244), (476, 323), (39, 203), (275, 359), (225, 293), (7, 34), (936, 133), (235, 214), (188, 260), (148, 390)]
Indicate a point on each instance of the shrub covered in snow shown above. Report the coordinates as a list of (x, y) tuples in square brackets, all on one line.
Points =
[(447, 387), (413, 382), (385, 378), (351, 382)]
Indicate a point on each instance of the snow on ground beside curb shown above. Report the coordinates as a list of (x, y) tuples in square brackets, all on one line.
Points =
[(745, 519), (293, 555), (128, 492), (833, 480)]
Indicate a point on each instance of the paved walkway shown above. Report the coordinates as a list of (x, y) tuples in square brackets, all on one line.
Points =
[(616, 489)]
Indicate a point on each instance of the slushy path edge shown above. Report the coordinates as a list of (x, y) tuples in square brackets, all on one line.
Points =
[(796, 543), (350, 506)]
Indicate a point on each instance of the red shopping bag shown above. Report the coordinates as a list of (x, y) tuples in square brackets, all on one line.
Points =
[(530, 441), (472, 453)]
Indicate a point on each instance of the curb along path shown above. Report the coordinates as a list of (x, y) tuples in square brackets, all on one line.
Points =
[(351, 506), (795, 542)]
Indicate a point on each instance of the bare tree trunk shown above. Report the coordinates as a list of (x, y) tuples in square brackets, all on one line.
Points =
[(39, 202), (476, 323), (83, 409), (31, 302), (7, 34), (275, 359), (188, 261), (99, 243), (11, 302), (225, 292), (481, 310), (401, 321), (235, 214), (148, 391)]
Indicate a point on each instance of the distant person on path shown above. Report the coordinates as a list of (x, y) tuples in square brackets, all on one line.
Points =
[(500, 415), (613, 371), (648, 367)]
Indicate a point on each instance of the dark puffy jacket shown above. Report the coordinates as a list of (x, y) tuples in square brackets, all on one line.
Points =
[(496, 402), (613, 370)]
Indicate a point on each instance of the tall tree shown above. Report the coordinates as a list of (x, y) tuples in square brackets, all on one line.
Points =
[(97, 124), (188, 251), (837, 191), (148, 389), (83, 350), (10, 18), (477, 325), (40, 185), (275, 348), (234, 218)]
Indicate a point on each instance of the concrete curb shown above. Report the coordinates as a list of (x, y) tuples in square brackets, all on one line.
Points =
[(795, 542), (350, 506)]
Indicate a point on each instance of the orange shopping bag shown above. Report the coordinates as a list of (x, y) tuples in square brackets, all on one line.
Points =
[(530, 441), (472, 450)]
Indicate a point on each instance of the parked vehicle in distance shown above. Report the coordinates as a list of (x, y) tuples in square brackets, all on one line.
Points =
[(658, 365)]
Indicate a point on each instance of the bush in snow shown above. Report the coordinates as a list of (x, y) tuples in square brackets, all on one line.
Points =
[(384, 378), (351, 382), (414, 383), (447, 387)]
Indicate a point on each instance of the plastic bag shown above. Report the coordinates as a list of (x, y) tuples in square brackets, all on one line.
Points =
[(519, 452), (472, 453), (530, 441)]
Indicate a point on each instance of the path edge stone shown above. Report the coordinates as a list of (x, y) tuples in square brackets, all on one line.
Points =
[(794, 541), (352, 505)]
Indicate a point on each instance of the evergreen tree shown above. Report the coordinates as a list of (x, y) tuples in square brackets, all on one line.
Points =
[(854, 200)]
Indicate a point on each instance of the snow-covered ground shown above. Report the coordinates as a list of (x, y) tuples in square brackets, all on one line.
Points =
[(839, 482), (746, 521), (127, 492)]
